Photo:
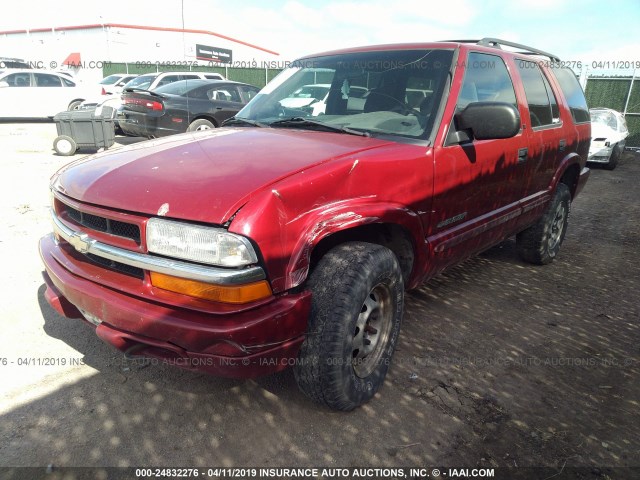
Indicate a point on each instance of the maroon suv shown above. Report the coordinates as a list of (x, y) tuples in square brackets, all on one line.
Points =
[(288, 237)]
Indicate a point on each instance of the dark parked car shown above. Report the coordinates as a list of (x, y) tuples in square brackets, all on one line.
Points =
[(186, 105)]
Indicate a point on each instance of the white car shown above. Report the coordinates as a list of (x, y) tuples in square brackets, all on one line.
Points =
[(150, 81), (310, 98), (37, 93), (112, 101), (113, 84), (111, 89), (608, 136)]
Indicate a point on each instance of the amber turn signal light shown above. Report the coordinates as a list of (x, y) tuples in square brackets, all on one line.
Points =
[(235, 294)]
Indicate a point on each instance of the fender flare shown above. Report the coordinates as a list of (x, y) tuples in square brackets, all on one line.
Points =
[(568, 161), (321, 223)]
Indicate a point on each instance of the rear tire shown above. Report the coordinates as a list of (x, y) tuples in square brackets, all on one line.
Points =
[(356, 312), (65, 145), (200, 124), (540, 243), (613, 159), (74, 105)]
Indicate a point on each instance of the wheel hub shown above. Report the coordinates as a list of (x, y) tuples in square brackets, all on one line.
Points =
[(557, 226), (64, 146), (372, 331)]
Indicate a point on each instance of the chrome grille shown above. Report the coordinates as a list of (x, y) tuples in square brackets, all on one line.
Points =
[(102, 224)]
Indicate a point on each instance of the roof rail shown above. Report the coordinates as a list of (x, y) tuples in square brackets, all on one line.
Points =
[(497, 43)]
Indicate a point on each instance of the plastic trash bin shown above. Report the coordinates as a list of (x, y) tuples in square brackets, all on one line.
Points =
[(84, 129)]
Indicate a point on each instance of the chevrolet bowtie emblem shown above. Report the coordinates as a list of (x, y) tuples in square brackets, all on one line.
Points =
[(80, 241)]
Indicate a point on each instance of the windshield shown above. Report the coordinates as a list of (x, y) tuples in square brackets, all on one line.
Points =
[(604, 117), (142, 82), (180, 87), (386, 92)]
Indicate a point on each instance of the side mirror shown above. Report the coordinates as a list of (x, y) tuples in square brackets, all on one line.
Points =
[(486, 121), (3, 84)]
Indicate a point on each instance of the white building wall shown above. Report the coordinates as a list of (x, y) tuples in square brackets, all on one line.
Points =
[(120, 45)]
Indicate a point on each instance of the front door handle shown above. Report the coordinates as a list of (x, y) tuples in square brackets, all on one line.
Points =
[(522, 155)]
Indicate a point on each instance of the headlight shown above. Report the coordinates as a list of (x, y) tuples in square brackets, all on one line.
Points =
[(210, 245)]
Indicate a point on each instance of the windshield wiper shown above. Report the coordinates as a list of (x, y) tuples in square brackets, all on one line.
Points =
[(242, 121), (303, 122)]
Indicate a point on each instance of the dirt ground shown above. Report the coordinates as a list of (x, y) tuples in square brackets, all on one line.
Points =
[(499, 363)]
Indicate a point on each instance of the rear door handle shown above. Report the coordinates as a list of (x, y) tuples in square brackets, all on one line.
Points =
[(522, 155)]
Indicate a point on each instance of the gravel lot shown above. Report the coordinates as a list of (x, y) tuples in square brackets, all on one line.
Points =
[(499, 363)]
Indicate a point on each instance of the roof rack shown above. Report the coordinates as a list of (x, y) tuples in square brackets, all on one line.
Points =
[(497, 43)]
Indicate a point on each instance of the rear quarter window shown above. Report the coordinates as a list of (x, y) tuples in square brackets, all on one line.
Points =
[(573, 94), (248, 92)]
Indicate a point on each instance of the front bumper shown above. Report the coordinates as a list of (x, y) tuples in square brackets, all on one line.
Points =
[(600, 152), (601, 155), (241, 343)]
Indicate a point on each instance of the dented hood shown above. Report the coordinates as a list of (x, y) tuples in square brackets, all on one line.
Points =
[(202, 176)]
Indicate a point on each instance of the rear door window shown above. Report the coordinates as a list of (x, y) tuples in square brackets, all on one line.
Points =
[(543, 107), (555, 111), (46, 80), (225, 93)]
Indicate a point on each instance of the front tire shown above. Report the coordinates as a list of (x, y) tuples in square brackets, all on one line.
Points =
[(200, 124), (540, 243), (613, 159), (356, 312)]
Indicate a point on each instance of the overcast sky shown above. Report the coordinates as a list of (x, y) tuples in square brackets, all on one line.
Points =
[(574, 30)]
